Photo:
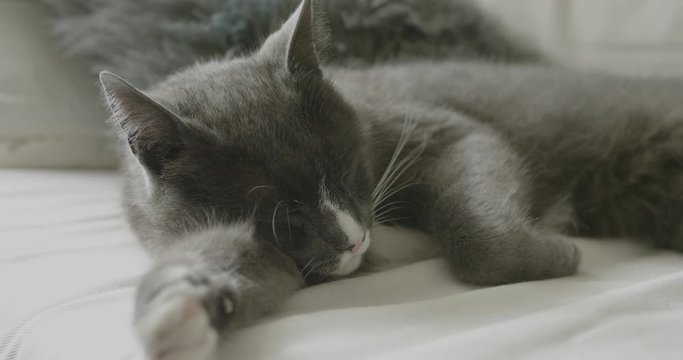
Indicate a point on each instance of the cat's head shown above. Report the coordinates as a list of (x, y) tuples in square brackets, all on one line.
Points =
[(264, 138)]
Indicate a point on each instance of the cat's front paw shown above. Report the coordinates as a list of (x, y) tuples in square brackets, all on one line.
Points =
[(178, 310), (177, 328)]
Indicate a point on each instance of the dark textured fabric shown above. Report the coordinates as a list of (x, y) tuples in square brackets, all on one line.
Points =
[(145, 40)]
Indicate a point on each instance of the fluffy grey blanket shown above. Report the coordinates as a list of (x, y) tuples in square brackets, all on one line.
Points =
[(145, 40)]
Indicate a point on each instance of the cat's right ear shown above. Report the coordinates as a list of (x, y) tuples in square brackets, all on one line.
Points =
[(294, 44), (153, 132)]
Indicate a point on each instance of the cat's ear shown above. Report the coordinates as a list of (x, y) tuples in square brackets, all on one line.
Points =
[(153, 132), (295, 42), (300, 54)]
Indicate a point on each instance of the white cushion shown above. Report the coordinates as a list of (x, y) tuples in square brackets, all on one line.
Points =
[(625, 36), (50, 111)]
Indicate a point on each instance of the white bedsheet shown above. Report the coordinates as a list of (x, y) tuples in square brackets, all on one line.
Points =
[(68, 266)]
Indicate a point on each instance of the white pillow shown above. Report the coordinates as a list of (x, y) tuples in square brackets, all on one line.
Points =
[(51, 114), (626, 36)]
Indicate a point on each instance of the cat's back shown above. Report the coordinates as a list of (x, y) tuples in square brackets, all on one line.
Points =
[(514, 93), (611, 144), (541, 108), (565, 121)]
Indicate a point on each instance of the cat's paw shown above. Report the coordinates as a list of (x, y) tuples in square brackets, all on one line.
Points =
[(177, 328), (178, 308)]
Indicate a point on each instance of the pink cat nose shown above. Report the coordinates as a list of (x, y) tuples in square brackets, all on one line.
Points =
[(357, 244)]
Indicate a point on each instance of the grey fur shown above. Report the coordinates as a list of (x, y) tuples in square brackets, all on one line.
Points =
[(209, 259), (488, 151), (508, 142), (146, 40)]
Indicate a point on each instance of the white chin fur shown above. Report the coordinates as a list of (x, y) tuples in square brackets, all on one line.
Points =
[(350, 261)]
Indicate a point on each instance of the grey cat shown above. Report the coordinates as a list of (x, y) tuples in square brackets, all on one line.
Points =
[(252, 177)]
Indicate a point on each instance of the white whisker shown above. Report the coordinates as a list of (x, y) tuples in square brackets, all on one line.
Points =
[(307, 264), (402, 141), (381, 216), (384, 206), (400, 169), (273, 222), (259, 187), (289, 224), (389, 220), (390, 182), (310, 271), (397, 190)]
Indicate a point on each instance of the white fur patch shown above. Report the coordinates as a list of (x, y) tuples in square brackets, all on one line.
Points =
[(147, 179), (351, 261), (351, 228), (357, 236)]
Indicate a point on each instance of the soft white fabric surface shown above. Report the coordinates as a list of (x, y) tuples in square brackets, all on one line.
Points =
[(68, 265)]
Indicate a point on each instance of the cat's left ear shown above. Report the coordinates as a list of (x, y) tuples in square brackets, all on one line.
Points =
[(153, 133), (295, 42)]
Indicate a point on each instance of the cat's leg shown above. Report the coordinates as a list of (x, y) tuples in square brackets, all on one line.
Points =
[(212, 282), (479, 207)]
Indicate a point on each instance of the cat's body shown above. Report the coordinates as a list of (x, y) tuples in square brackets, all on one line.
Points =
[(607, 148), (249, 177)]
